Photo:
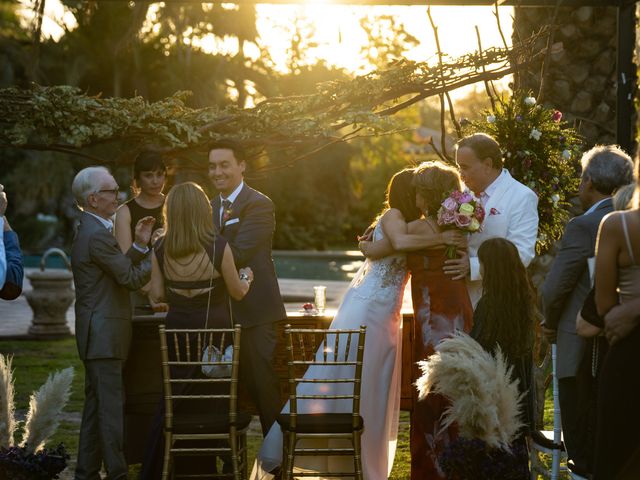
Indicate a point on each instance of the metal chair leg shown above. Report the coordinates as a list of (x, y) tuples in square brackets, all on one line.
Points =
[(287, 470), (357, 456), (167, 455)]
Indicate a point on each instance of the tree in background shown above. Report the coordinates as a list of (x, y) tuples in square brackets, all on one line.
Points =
[(155, 50)]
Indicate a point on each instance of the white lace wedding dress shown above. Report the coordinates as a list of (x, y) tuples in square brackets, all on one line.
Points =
[(374, 299)]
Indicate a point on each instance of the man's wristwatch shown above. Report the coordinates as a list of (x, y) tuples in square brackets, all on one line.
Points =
[(244, 276)]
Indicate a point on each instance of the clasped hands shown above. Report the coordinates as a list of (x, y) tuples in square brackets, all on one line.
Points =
[(619, 322)]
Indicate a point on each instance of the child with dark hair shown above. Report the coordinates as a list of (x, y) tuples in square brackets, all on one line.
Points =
[(504, 317)]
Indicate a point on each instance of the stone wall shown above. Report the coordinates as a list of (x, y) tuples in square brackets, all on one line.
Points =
[(580, 78)]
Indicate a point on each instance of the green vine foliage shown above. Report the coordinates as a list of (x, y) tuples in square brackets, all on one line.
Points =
[(541, 151), (62, 118)]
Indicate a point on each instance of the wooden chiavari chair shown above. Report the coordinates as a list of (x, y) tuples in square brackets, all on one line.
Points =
[(189, 429), (325, 403)]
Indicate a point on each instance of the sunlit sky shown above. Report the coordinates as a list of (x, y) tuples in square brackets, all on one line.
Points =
[(340, 37), (337, 32)]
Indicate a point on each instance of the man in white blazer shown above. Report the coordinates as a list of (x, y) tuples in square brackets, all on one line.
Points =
[(511, 208)]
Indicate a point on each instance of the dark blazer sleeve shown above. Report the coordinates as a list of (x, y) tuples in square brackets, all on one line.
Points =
[(255, 230), (15, 272), (568, 267), (132, 270)]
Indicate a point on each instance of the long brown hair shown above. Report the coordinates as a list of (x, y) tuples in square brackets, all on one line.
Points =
[(401, 194), (508, 297), (188, 220)]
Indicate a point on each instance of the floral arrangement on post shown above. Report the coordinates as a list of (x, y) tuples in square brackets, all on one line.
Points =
[(463, 211), (30, 460), (541, 151), (484, 404)]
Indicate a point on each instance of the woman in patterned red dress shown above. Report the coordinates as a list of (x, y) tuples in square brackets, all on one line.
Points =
[(441, 306)]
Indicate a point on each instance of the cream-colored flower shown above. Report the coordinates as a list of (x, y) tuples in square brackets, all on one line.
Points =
[(535, 134), (474, 226), (566, 154), (530, 101), (491, 118)]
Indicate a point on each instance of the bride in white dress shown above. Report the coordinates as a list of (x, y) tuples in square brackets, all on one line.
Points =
[(374, 299)]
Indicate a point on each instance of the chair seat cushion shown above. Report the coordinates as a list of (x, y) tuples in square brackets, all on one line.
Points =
[(203, 423), (321, 423)]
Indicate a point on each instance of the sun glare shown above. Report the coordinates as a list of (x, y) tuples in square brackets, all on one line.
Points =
[(339, 39), (333, 33)]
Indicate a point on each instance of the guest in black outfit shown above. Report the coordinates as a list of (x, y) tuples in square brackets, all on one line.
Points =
[(195, 267), (504, 318), (617, 283), (149, 173), (605, 168)]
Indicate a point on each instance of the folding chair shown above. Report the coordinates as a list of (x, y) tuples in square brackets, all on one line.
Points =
[(201, 414), (325, 370)]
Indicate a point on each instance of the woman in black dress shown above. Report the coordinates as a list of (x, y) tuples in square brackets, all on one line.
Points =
[(195, 268), (504, 318), (149, 172)]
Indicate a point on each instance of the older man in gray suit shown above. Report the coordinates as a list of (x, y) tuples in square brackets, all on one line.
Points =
[(604, 169), (103, 276)]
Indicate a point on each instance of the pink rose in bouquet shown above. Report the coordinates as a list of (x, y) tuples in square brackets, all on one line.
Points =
[(462, 221), (463, 211)]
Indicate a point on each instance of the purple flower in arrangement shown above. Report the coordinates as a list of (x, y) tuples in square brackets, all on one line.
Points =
[(450, 204), (456, 195), (466, 197), (518, 118), (446, 217), (557, 116)]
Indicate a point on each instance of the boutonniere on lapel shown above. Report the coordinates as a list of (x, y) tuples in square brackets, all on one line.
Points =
[(226, 215), (494, 211)]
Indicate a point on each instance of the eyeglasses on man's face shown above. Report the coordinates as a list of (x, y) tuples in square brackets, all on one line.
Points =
[(113, 191)]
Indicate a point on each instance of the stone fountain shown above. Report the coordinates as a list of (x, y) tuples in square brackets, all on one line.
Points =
[(50, 298)]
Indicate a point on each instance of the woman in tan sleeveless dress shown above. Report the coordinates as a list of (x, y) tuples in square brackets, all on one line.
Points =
[(618, 282)]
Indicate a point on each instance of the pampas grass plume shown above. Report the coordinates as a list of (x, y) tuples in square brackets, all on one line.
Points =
[(45, 406), (7, 407), (484, 399)]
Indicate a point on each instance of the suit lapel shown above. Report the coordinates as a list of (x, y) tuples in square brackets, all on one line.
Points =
[(502, 189), (215, 207), (236, 206), (239, 202)]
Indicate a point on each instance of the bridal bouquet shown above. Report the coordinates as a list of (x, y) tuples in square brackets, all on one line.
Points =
[(463, 211)]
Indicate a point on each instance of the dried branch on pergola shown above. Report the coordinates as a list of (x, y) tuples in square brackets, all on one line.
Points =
[(63, 119)]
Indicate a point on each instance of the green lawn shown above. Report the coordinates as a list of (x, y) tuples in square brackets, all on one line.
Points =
[(34, 360)]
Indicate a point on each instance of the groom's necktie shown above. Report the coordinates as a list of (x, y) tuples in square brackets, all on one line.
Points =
[(226, 205)]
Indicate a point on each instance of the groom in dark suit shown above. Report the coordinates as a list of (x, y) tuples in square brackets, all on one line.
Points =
[(245, 218), (604, 169), (103, 278)]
